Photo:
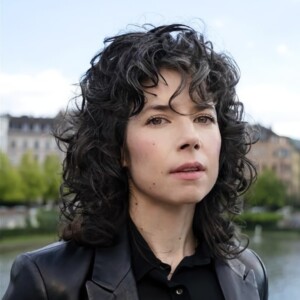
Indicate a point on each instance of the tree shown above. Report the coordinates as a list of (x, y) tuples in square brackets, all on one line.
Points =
[(267, 191), (10, 181), (32, 177), (52, 177)]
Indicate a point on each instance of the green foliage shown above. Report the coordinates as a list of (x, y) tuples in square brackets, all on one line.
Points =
[(268, 191), (47, 220), (294, 201), (32, 177), (265, 219), (52, 178), (29, 182), (11, 185)]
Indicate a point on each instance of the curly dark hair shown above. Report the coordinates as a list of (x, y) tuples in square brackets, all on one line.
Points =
[(95, 188)]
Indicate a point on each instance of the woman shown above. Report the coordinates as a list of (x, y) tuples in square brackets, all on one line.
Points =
[(155, 164)]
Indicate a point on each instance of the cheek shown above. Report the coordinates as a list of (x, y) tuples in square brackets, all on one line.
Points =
[(139, 151), (215, 149)]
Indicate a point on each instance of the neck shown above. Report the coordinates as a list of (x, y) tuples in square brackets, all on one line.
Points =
[(167, 230)]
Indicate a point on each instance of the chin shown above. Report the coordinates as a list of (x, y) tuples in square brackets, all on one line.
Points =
[(188, 200), (194, 197)]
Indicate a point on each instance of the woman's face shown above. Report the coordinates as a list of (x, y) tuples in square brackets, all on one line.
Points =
[(172, 158)]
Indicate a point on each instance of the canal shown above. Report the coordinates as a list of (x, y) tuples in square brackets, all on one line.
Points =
[(280, 252)]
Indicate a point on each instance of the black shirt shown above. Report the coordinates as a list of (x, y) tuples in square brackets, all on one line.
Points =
[(193, 279)]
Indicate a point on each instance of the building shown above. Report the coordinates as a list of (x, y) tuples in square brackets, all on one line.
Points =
[(4, 124), (280, 154), (19, 135)]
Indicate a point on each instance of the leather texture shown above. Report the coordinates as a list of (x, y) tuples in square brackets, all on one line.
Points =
[(67, 271)]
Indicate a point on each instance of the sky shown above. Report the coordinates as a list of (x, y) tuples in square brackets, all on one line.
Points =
[(46, 46)]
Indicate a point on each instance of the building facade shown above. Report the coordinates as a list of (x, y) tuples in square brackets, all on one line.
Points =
[(19, 135), (279, 154), (4, 124)]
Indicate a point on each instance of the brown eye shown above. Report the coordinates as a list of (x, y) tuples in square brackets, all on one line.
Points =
[(156, 121), (205, 119)]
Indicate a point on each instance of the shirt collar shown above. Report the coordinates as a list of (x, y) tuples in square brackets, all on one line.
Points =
[(144, 260)]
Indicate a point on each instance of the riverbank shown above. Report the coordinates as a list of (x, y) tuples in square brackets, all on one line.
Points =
[(29, 242), (26, 242)]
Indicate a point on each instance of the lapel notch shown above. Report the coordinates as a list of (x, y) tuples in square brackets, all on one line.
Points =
[(112, 277), (235, 282)]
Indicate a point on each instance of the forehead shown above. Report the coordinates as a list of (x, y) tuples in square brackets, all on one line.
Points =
[(168, 82), (173, 90)]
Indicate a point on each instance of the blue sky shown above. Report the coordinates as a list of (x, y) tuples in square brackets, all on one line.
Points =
[(46, 45)]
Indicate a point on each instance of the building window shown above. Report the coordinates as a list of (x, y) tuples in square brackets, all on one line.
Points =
[(36, 127), (282, 153), (47, 128), (25, 127), (36, 145), (25, 144), (13, 144)]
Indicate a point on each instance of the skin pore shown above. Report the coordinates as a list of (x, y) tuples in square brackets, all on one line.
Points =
[(173, 162)]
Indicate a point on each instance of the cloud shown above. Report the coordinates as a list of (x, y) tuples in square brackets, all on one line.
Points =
[(40, 94), (282, 49), (250, 44), (272, 105), (218, 23), (288, 128)]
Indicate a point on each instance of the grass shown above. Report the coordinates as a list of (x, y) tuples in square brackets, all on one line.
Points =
[(26, 242)]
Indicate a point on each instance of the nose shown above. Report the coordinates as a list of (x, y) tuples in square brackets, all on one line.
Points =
[(189, 137), (195, 146)]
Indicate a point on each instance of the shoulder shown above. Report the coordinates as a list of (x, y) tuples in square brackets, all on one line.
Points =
[(59, 261), (51, 271), (252, 261), (61, 252)]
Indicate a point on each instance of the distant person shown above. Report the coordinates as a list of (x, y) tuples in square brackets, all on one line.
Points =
[(154, 167)]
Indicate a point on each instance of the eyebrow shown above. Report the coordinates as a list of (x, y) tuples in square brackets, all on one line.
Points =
[(164, 108), (159, 107)]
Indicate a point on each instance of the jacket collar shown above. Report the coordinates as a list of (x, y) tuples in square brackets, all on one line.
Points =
[(112, 276), (111, 273), (235, 282)]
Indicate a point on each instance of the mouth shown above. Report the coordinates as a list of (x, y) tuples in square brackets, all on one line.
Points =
[(189, 167), (188, 171)]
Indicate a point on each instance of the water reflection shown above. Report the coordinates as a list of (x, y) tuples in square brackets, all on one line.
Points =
[(5, 264), (280, 252)]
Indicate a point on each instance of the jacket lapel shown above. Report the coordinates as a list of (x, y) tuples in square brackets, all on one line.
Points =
[(112, 276), (235, 282)]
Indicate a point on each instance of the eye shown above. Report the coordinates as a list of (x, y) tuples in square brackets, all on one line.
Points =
[(205, 119), (157, 121)]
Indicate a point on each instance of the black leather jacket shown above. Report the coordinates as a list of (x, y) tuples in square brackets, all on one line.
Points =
[(67, 271)]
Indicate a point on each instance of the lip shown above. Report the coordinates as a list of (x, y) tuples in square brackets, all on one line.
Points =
[(188, 171)]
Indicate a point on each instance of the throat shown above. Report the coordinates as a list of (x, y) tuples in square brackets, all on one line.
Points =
[(167, 230)]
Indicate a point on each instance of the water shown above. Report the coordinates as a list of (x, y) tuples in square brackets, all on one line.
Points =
[(280, 252), (6, 260)]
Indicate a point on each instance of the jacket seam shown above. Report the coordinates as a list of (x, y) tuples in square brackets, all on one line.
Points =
[(37, 269)]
